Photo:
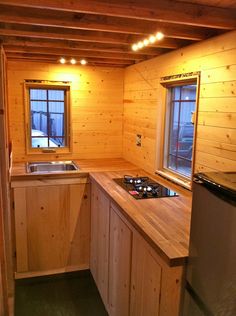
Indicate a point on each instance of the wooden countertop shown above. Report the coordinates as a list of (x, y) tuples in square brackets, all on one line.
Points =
[(163, 222), (18, 170)]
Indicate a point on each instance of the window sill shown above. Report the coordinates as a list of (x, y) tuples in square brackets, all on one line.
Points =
[(175, 178)]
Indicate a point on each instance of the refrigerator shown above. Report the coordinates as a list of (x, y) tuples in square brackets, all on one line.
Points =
[(211, 270)]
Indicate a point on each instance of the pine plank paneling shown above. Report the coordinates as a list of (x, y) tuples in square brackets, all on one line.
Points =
[(219, 119), (224, 135), (52, 227), (217, 105), (96, 108), (216, 129), (217, 148)]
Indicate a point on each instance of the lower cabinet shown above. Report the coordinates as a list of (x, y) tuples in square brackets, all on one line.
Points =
[(132, 278), (99, 257), (145, 279), (52, 226), (119, 265)]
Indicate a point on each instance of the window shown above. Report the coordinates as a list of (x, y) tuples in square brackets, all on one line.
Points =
[(179, 132), (48, 116)]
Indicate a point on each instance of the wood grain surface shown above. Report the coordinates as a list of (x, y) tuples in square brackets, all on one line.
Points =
[(144, 104), (163, 222), (18, 171)]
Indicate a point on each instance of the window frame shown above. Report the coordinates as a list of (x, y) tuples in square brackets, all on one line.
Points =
[(162, 169), (28, 138)]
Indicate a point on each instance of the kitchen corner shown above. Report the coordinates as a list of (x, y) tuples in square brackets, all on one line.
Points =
[(156, 227)]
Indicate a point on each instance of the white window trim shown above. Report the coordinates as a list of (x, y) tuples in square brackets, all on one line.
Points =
[(166, 83)]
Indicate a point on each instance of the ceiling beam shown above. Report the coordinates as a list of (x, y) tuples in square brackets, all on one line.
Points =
[(73, 53), (54, 59), (90, 37), (153, 10), (110, 48), (68, 20)]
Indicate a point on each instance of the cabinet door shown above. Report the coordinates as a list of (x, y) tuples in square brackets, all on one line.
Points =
[(145, 281), (119, 266), (100, 205), (52, 227)]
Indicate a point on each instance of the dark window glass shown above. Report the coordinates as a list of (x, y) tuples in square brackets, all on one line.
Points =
[(47, 109), (181, 130)]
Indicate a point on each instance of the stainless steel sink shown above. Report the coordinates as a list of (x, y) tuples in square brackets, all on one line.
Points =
[(51, 166)]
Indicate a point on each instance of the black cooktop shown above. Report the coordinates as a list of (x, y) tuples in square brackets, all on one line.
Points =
[(144, 187)]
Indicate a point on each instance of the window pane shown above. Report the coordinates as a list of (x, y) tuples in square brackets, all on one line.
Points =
[(186, 112), (176, 93), (42, 142), (38, 94), (38, 106), (56, 112), (188, 92), (59, 141), (39, 123), (184, 167), (57, 95), (174, 119)]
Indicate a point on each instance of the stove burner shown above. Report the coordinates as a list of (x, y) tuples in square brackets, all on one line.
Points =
[(134, 180), (143, 187)]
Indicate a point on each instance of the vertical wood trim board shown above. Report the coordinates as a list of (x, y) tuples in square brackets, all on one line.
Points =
[(144, 103), (21, 229), (4, 176)]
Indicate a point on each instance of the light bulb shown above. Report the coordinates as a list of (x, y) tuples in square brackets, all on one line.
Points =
[(140, 44), (83, 62), (145, 42), (152, 39), (134, 47), (62, 60), (159, 35), (73, 61)]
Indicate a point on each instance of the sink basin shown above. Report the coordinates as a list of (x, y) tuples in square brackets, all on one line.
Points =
[(51, 166)]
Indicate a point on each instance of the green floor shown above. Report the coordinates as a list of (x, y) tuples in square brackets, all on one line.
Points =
[(71, 294)]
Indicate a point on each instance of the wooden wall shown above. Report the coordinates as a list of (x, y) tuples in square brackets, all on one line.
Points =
[(96, 108), (145, 97)]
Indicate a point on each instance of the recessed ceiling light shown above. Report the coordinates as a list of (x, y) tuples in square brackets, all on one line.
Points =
[(140, 44), (83, 62), (62, 60), (134, 47), (73, 61), (152, 39), (145, 42), (159, 35)]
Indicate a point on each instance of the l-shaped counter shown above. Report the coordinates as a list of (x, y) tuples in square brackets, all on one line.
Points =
[(163, 222)]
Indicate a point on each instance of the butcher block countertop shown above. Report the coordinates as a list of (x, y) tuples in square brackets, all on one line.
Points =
[(163, 222), (18, 170)]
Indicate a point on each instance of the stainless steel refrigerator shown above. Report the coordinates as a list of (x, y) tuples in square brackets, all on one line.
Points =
[(211, 270)]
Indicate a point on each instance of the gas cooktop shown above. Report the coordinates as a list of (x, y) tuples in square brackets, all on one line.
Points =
[(144, 187)]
